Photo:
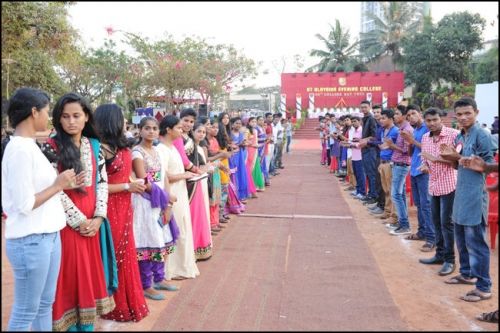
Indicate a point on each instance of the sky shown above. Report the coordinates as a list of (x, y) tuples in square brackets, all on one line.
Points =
[(264, 31)]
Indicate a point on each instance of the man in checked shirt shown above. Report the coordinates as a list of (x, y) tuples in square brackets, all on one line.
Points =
[(442, 185)]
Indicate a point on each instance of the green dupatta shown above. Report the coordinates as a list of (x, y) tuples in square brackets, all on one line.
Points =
[(106, 239)]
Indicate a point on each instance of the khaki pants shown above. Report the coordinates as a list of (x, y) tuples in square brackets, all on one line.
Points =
[(350, 173), (385, 171)]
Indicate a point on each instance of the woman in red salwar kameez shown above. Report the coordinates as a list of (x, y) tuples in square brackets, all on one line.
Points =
[(85, 281)]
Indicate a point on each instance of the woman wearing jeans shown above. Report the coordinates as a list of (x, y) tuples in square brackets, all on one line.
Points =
[(31, 198)]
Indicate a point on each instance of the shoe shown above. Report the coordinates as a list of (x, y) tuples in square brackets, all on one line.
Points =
[(267, 184), (447, 269), (156, 297), (372, 205), (354, 193), (370, 201), (359, 196), (223, 220), (377, 211), (282, 167), (392, 226), (400, 231), (220, 225), (350, 188), (431, 261), (384, 216), (489, 317), (216, 229), (169, 287), (427, 247)]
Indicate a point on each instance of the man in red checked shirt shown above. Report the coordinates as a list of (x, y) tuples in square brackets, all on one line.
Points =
[(442, 185)]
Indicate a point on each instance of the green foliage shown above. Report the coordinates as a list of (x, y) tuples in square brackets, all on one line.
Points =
[(339, 53), (36, 36), (457, 36), (486, 66)]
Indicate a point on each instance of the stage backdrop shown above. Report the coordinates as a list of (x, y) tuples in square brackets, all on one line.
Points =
[(339, 90)]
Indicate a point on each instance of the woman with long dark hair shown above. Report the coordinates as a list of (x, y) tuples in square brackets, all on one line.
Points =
[(31, 192), (129, 299), (87, 276)]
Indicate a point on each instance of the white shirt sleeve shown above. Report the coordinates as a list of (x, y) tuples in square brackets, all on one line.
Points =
[(19, 167)]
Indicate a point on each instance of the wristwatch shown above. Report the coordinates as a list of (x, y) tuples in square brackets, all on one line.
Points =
[(127, 186)]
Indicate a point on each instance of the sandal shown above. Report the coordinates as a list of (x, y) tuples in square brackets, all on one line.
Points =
[(489, 317), (414, 237), (476, 295), (460, 279)]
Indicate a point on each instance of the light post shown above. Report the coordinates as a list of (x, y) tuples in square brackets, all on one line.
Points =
[(8, 61)]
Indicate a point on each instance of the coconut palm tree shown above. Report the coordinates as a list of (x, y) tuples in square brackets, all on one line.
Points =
[(339, 54), (395, 24)]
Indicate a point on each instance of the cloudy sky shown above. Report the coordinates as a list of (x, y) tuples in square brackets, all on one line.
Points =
[(263, 31)]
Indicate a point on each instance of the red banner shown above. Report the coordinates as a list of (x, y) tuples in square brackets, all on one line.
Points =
[(334, 90)]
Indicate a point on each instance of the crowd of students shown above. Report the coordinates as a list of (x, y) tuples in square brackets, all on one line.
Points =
[(374, 153), (97, 221)]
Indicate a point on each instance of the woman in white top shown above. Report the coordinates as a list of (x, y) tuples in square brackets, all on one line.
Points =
[(31, 198), (182, 263)]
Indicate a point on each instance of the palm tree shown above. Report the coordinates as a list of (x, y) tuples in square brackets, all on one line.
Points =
[(339, 54), (395, 24)]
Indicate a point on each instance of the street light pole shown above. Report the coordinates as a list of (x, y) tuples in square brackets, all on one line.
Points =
[(8, 61)]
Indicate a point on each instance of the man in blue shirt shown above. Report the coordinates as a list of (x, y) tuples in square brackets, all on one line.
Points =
[(420, 182), (388, 130), (470, 207)]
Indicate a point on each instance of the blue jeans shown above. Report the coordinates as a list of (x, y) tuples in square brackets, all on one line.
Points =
[(369, 158), (420, 191), (474, 254), (288, 141), (398, 194), (35, 261), (357, 167), (441, 208)]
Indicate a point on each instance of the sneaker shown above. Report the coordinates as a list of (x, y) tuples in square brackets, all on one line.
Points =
[(359, 196), (372, 206), (400, 231), (392, 225), (369, 201), (427, 247), (354, 193), (377, 211)]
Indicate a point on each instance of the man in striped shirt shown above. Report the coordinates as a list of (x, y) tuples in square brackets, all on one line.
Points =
[(442, 184), (401, 160)]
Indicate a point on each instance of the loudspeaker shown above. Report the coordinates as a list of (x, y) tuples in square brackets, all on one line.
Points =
[(202, 110)]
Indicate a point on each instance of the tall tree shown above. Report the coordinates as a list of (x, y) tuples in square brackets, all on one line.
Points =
[(386, 39), (457, 36), (36, 37), (420, 58), (339, 52), (486, 66)]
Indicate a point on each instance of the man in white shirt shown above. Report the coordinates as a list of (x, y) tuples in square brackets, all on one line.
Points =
[(278, 141)]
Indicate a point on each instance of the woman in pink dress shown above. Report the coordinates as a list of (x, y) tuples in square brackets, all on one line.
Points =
[(198, 196), (252, 140)]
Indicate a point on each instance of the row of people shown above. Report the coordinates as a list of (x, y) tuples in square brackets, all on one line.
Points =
[(386, 146), (94, 226)]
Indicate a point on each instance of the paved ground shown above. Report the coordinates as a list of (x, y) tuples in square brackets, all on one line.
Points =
[(306, 258)]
